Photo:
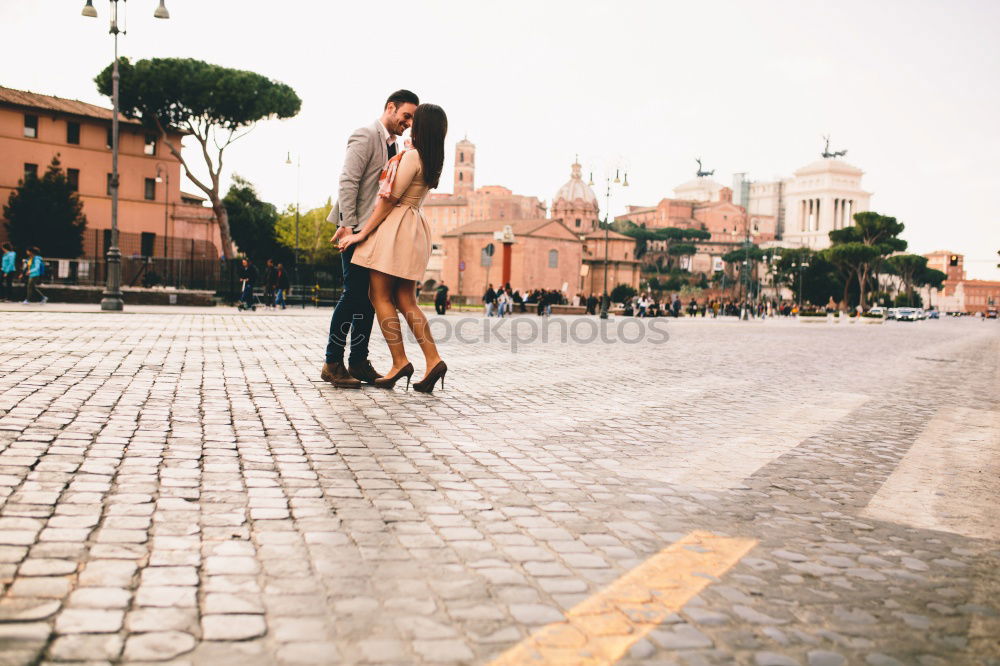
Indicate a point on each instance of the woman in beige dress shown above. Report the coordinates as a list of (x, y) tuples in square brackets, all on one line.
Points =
[(395, 245)]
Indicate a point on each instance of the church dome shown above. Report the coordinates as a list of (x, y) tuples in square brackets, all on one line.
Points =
[(575, 189)]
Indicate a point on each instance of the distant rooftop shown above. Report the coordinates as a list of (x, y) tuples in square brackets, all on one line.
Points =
[(32, 100)]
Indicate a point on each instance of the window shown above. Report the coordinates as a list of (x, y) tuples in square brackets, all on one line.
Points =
[(30, 126), (73, 178), (461, 157), (109, 139), (150, 147), (553, 258), (578, 222), (150, 189), (461, 176), (30, 171), (147, 240), (109, 184), (72, 132)]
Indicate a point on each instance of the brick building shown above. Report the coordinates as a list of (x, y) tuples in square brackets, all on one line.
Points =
[(445, 212), (545, 254), (960, 294), (725, 221), (151, 206)]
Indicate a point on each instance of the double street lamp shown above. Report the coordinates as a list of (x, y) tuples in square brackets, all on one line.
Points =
[(606, 296), (112, 297)]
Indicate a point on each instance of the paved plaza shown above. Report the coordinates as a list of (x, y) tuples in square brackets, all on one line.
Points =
[(179, 487)]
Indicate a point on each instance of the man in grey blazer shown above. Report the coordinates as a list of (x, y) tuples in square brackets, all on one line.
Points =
[(368, 150)]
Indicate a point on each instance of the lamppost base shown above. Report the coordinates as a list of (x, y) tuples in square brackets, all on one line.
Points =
[(111, 299), (112, 303)]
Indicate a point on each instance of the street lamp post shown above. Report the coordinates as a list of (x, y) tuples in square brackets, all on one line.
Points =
[(606, 297), (298, 182), (802, 264), (163, 176), (112, 300)]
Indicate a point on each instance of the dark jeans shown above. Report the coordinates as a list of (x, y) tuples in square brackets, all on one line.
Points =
[(31, 289), (440, 306), (246, 295), (8, 286), (353, 315)]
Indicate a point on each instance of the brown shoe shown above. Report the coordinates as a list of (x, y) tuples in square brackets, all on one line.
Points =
[(364, 372), (337, 374)]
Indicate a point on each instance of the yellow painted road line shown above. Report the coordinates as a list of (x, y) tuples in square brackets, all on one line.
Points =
[(602, 628)]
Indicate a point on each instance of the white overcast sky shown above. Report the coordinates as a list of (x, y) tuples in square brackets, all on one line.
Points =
[(909, 87)]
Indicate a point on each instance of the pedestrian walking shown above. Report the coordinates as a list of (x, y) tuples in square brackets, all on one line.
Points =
[(8, 269), (33, 273), (441, 299), (270, 283), (248, 279), (489, 300), (281, 286)]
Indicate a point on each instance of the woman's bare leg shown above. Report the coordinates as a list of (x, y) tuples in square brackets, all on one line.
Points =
[(381, 289), (406, 301)]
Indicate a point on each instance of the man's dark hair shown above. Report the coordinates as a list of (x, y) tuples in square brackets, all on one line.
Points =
[(8, 247), (402, 97)]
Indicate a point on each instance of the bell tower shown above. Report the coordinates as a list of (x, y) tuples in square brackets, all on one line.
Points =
[(465, 167)]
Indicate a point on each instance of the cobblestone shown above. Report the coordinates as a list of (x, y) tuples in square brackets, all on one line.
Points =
[(181, 487)]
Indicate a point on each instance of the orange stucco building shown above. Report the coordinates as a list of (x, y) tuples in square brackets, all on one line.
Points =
[(725, 221), (151, 206), (545, 254), (446, 212), (960, 294)]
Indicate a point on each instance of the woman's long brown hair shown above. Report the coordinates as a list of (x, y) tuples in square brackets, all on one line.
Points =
[(430, 126)]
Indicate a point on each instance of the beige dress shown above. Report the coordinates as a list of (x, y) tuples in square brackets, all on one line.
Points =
[(401, 245)]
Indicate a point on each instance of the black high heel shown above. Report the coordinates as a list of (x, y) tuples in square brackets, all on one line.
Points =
[(390, 381), (426, 385)]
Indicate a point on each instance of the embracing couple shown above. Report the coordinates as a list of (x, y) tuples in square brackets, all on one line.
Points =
[(385, 243)]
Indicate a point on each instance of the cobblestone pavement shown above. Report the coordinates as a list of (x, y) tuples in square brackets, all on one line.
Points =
[(181, 487)]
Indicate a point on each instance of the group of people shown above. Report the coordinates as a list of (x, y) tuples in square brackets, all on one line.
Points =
[(31, 271), (276, 284), (645, 305), (385, 243), (504, 300)]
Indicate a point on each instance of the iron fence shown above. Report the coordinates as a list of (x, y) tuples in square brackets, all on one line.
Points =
[(316, 284)]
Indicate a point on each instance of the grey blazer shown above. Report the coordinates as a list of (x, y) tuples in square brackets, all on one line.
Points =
[(366, 156)]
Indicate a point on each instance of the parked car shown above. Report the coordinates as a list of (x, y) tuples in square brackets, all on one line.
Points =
[(907, 314), (991, 314), (891, 313), (877, 310)]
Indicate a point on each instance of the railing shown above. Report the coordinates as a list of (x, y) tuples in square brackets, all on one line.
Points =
[(317, 284)]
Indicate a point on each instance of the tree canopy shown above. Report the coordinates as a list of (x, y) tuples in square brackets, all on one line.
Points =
[(314, 233), (253, 223), (46, 212), (671, 238), (860, 249), (217, 105)]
